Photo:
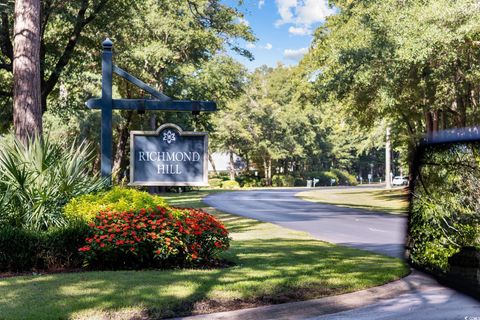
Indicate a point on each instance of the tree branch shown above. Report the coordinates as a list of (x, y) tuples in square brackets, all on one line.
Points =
[(80, 23), (95, 12)]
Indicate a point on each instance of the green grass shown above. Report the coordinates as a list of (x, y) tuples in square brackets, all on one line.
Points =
[(192, 199), (273, 265), (391, 201)]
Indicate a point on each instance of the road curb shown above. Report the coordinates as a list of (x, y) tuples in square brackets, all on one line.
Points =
[(415, 281)]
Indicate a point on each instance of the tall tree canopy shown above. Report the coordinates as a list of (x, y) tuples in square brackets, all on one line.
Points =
[(153, 39)]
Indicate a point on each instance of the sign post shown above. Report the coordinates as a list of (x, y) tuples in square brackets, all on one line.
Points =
[(107, 104)]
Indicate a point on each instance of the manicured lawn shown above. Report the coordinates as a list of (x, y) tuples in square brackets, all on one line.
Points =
[(392, 201), (273, 265), (192, 199)]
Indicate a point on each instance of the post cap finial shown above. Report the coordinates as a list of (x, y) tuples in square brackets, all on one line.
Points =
[(107, 44)]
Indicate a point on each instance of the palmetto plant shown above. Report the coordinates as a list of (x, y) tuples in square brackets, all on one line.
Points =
[(38, 178)]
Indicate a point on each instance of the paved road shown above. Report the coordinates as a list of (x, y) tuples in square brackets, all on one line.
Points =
[(378, 232), (381, 233)]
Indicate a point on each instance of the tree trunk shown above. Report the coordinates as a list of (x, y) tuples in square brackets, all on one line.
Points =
[(428, 122), (232, 165), (119, 163), (286, 167), (27, 107), (153, 126), (269, 172), (435, 120), (210, 158), (265, 169)]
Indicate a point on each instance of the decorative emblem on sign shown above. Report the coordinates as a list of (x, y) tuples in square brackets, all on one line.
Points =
[(169, 136)]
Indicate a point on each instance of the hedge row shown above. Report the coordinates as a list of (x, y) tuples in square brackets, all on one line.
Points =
[(341, 177), (325, 179), (22, 250)]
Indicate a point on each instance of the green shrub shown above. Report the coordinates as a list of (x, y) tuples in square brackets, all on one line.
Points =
[(230, 184), (159, 237), (26, 250), (224, 176), (248, 181), (345, 178), (61, 246), (38, 178), (444, 212), (215, 182), (18, 249), (86, 207), (299, 182), (324, 177), (283, 181), (263, 182)]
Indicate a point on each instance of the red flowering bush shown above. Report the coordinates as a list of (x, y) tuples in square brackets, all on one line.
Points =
[(158, 237)]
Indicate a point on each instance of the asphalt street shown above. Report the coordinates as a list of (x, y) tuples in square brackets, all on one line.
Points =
[(373, 231), (378, 232)]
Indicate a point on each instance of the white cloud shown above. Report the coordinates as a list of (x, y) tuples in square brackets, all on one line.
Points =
[(261, 3), (243, 21), (313, 11), (293, 54), (250, 45), (268, 46), (299, 31), (302, 13), (285, 9)]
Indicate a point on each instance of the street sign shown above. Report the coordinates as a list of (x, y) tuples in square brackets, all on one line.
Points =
[(107, 104), (168, 157)]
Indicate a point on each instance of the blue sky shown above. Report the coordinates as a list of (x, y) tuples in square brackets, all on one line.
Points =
[(283, 28)]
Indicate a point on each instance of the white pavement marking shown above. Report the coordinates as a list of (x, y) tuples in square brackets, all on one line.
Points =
[(377, 230)]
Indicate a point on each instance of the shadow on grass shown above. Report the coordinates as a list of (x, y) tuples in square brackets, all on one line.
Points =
[(392, 195), (190, 199), (268, 271), (388, 201), (235, 224)]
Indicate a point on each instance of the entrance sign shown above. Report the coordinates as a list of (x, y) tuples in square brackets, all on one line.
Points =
[(168, 157), (106, 104)]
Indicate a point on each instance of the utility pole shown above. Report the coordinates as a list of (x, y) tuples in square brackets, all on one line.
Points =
[(388, 178)]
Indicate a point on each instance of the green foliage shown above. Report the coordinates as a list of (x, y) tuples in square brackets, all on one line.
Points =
[(39, 178), (18, 248), (445, 210), (248, 181), (86, 207), (407, 64), (215, 182), (268, 122), (341, 177), (230, 184), (57, 248), (324, 177), (299, 182), (345, 178), (159, 237), (283, 181), (224, 176)]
